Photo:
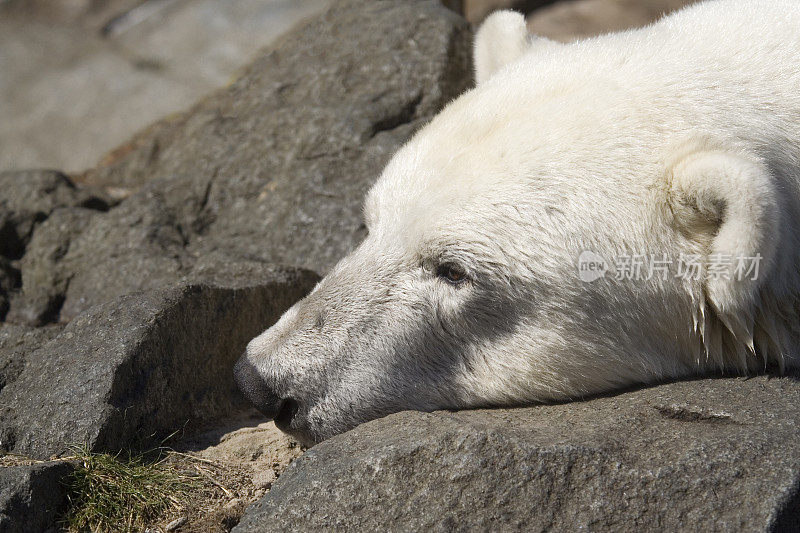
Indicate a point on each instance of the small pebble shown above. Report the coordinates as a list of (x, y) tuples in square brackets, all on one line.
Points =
[(175, 524), (233, 504), (264, 478)]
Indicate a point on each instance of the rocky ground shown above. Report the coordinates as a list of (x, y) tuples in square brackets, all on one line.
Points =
[(127, 292)]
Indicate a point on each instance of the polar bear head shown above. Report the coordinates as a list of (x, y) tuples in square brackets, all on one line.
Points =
[(468, 290)]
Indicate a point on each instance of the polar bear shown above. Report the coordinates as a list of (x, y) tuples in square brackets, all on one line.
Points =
[(621, 210)]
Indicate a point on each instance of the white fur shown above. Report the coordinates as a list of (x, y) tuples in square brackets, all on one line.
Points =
[(679, 138), (502, 39)]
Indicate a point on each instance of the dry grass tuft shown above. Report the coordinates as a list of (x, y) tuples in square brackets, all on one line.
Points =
[(125, 493)]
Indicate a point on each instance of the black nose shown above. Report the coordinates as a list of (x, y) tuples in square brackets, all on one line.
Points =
[(255, 388), (262, 396)]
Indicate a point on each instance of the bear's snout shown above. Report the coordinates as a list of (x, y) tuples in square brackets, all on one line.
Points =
[(263, 396)]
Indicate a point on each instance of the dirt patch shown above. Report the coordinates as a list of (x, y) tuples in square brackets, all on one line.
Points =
[(237, 461)]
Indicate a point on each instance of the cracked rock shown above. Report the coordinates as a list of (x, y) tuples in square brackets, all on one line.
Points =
[(28, 197), (45, 276)]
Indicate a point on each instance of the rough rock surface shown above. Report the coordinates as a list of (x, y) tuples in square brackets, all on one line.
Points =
[(15, 343), (278, 163), (44, 275), (31, 497), (272, 169), (705, 455), (28, 197), (27, 200), (9, 280), (133, 370)]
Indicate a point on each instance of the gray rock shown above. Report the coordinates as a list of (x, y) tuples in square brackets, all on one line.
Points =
[(15, 343), (31, 497), (580, 19), (277, 164), (45, 276), (133, 370), (9, 280), (137, 246), (272, 169), (705, 455), (28, 197), (226, 271), (477, 10)]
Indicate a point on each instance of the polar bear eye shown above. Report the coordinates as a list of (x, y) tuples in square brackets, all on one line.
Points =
[(451, 273)]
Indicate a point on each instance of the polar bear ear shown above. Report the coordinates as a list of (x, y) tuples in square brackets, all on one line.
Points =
[(727, 204), (501, 39)]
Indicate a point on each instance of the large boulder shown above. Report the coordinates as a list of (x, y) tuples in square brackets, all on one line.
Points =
[(278, 163), (77, 259), (32, 496), (705, 455), (273, 168), (131, 371)]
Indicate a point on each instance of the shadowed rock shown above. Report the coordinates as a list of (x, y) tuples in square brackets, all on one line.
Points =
[(131, 371), (31, 497), (9, 280), (28, 197)]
